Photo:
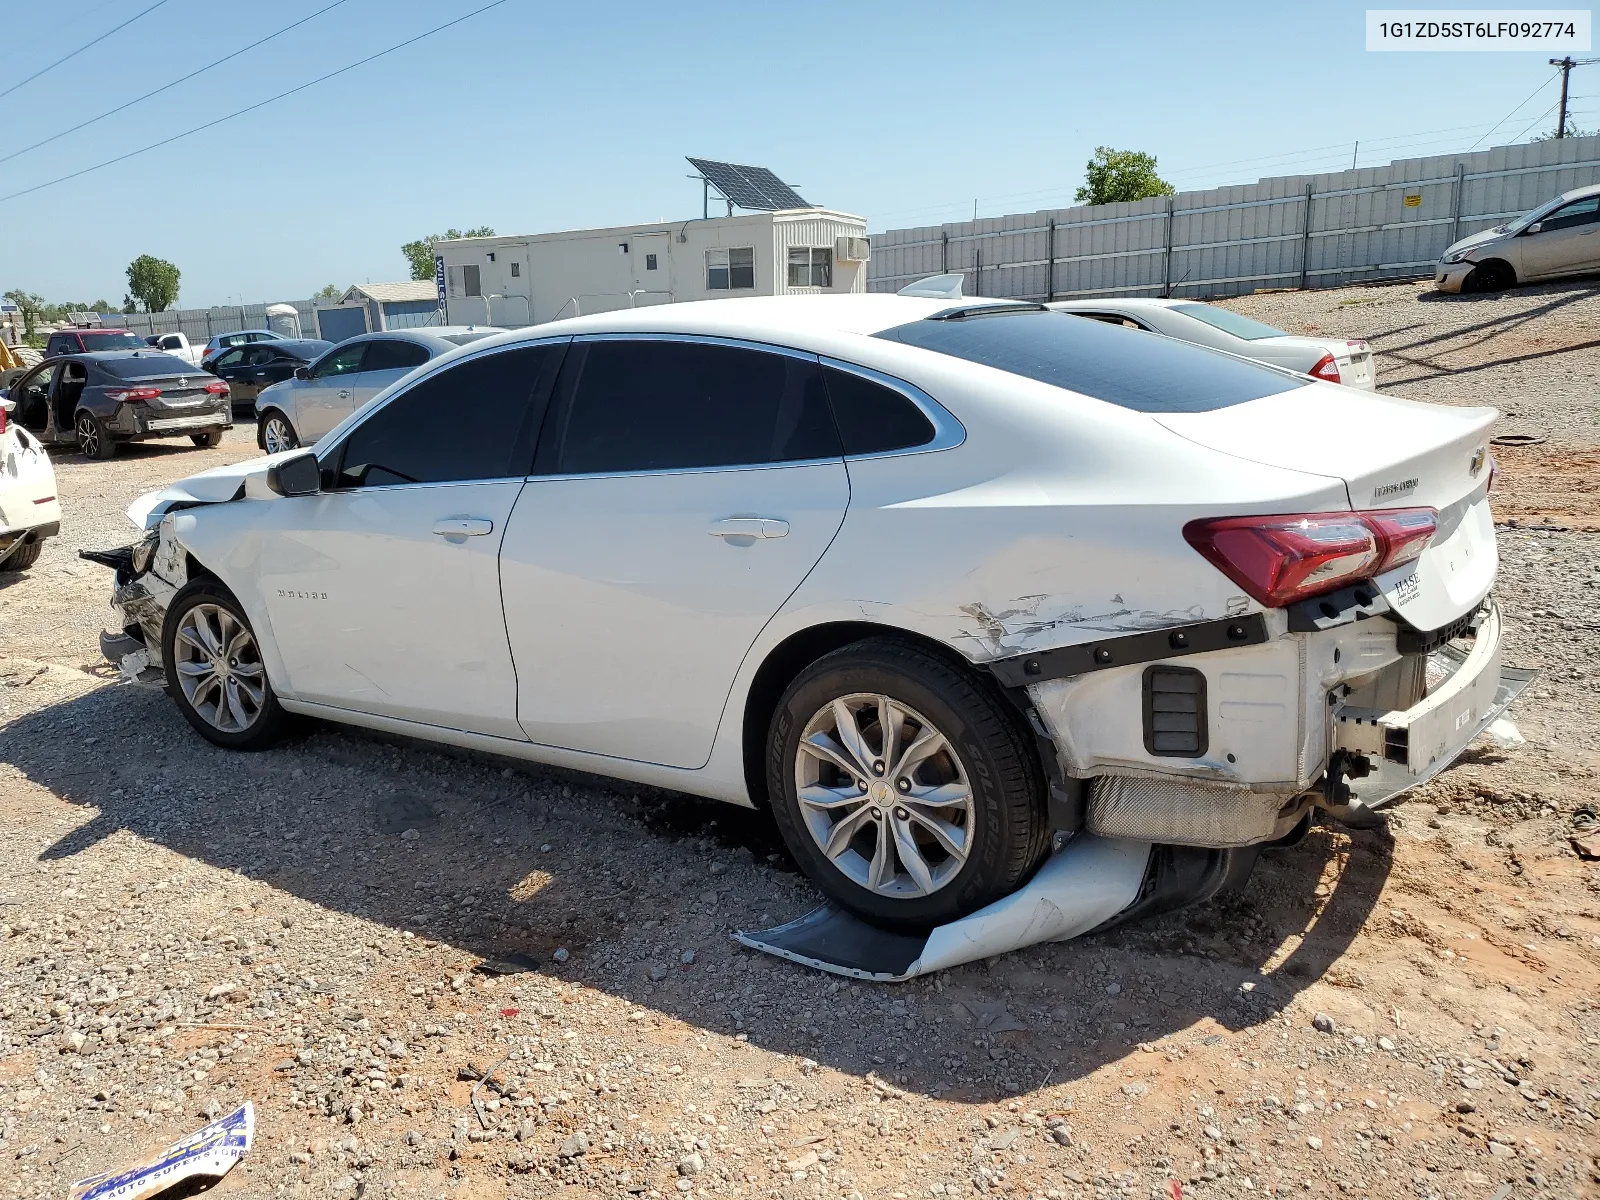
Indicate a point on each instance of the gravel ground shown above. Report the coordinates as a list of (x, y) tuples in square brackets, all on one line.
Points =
[(348, 929)]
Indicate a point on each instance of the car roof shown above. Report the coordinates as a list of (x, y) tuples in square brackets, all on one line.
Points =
[(1579, 193), (96, 330)]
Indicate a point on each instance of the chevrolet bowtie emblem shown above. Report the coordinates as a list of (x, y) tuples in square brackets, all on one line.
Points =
[(1479, 457)]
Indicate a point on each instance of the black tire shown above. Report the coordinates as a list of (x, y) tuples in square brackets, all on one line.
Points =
[(1008, 834), (267, 418), (209, 440), (93, 438), (270, 721), (7, 378), (22, 557), (1491, 276)]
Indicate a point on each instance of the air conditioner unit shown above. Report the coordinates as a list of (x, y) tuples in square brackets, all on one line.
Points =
[(852, 249)]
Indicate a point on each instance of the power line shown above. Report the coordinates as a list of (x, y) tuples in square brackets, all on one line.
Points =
[(1542, 84), (167, 141), (168, 86), (82, 48)]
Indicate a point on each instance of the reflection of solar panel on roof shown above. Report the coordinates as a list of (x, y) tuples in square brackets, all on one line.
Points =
[(754, 188)]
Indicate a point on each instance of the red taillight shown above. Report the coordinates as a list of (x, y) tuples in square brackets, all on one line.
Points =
[(133, 394), (1278, 560), (217, 389), (2, 418), (1326, 368)]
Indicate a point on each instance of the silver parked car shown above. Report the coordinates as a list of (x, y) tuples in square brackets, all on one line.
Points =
[(1337, 360), (298, 411), (1557, 238)]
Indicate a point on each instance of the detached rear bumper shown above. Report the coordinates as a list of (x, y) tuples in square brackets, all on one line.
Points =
[(1468, 691)]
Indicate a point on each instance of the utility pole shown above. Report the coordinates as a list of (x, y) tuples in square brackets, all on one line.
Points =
[(1566, 64)]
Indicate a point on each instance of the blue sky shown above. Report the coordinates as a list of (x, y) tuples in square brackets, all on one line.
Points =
[(535, 117)]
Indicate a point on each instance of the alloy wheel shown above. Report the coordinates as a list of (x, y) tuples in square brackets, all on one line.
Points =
[(88, 436), (277, 436), (884, 795), (219, 668)]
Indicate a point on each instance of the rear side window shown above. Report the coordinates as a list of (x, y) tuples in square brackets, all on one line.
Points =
[(384, 355), (661, 406), (874, 418), (1110, 363), (474, 420)]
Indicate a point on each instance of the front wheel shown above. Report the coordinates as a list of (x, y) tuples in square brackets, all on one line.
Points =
[(94, 440), (1492, 276), (277, 434), (903, 787), (209, 440), (215, 671)]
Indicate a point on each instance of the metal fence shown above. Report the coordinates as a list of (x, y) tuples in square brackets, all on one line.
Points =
[(200, 325), (1290, 231)]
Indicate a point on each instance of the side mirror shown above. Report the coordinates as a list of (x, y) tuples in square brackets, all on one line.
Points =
[(302, 372), (297, 476), (1536, 227)]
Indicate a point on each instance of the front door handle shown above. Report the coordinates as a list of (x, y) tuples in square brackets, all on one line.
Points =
[(749, 527), (454, 527), (344, 393)]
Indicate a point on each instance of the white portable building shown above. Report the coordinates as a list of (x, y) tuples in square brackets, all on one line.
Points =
[(527, 280)]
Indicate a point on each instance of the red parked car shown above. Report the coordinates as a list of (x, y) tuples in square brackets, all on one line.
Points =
[(80, 341)]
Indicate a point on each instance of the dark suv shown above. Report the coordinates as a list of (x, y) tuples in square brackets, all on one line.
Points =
[(97, 401), (89, 341)]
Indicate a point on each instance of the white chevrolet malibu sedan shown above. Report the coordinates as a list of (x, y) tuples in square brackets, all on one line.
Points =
[(938, 581)]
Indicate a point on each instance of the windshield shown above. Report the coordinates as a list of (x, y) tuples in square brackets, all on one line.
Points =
[(1229, 322), (1109, 362), (1528, 218), (110, 341)]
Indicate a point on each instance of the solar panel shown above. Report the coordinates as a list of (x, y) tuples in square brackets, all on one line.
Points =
[(754, 188)]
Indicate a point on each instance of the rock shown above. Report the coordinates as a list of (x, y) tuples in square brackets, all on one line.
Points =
[(525, 1131), (1385, 1043), (1213, 1133), (72, 1040), (575, 1146), (1135, 1089), (657, 972), (1113, 989), (1322, 1023), (1501, 1150), (1061, 1135), (1314, 1142), (687, 958), (413, 1138), (354, 1113), (410, 835), (561, 955), (691, 1164)]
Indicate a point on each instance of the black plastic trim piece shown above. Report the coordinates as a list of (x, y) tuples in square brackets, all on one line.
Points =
[(1177, 723), (1358, 602), (1131, 649), (1410, 640)]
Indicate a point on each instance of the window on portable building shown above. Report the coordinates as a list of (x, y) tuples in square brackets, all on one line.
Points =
[(811, 266), (730, 269)]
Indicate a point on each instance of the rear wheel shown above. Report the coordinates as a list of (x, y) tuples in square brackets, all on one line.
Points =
[(21, 557), (902, 787), (277, 434), (209, 440), (94, 441), (215, 671)]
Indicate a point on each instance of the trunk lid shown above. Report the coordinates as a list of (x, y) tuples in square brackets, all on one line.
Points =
[(1391, 453)]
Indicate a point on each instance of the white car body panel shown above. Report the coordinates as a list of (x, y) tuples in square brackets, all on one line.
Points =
[(625, 580), (28, 499), (636, 636)]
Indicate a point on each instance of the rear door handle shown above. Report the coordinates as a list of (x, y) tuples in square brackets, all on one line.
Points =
[(749, 527), (463, 527)]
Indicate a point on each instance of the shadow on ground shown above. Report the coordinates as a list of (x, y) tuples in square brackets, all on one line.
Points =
[(512, 860)]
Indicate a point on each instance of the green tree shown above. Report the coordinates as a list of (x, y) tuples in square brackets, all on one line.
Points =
[(153, 282), (329, 292), (31, 304), (1113, 176), (420, 252)]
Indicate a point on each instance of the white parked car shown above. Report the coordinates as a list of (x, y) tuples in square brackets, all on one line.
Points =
[(1337, 360), (29, 509), (933, 579), (1560, 237), (299, 411)]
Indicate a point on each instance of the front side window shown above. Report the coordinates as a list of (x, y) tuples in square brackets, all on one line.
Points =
[(232, 358), (386, 355), (811, 266), (346, 360), (471, 421), (638, 405), (1579, 212), (730, 269), (1109, 363)]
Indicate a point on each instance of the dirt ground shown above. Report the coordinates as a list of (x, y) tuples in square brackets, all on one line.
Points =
[(347, 929)]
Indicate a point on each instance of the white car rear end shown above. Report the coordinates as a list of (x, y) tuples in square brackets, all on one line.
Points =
[(29, 509)]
